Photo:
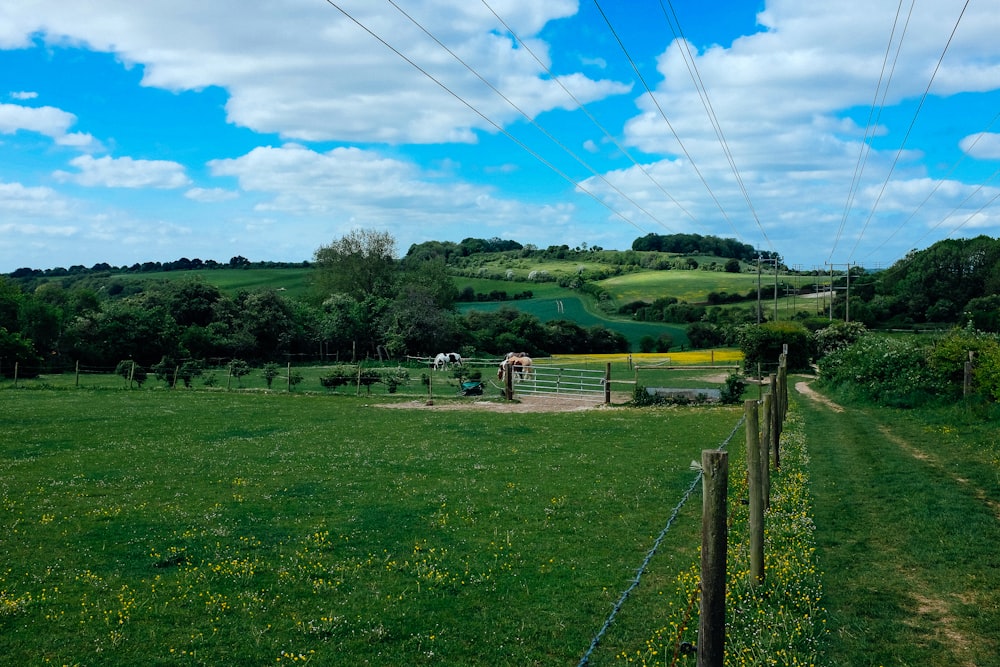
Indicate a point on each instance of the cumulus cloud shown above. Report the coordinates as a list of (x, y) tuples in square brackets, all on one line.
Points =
[(351, 186), (48, 121), (313, 74), (210, 195), (23, 95), (18, 201), (983, 146), (125, 172)]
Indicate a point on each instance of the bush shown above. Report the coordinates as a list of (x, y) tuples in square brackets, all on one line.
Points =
[(763, 343), (271, 371), (732, 391), (129, 369), (238, 368), (837, 336), (888, 371)]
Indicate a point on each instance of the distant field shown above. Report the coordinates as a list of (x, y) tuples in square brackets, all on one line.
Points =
[(690, 286), (295, 282), (573, 309)]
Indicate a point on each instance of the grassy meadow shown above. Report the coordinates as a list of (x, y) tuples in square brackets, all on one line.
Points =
[(211, 527)]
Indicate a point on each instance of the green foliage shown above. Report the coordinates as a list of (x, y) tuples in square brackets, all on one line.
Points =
[(890, 371), (359, 264), (949, 355), (271, 371), (763, 344), (837, 336), (238, 368), (130, 370), (732, 391), (15, 349), (344, 374)]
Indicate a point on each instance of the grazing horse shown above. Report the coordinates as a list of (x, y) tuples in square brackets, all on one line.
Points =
[(446, 359), (520, 365)]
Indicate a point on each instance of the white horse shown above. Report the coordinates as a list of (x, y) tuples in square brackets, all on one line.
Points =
[(445, 359), (520, 366)]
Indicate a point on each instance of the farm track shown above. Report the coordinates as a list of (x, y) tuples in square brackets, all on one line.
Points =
[(906, 537)]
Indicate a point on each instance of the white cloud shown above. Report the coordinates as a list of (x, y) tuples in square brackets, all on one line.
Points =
[(210, 195), (17, 200), (348, 187), (23, 95), (313, 74), (125, 172), (982, 146), (48, 121)]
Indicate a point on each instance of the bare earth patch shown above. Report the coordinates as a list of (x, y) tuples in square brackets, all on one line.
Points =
[(524, 404), (807, 391)]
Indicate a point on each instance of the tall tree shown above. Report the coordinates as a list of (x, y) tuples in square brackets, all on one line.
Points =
[(360, 264)]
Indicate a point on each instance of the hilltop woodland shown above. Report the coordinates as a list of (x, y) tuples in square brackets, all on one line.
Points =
[(363, 301)]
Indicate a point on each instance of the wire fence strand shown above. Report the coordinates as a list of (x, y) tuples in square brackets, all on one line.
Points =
[(585, 660)]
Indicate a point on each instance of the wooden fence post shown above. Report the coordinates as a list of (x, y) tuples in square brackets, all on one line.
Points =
[(508, 380), (714, 546), (16, 367), (765, 449), (756, 492), (775, 420), (607, 384), (77, 374), (288, 375)]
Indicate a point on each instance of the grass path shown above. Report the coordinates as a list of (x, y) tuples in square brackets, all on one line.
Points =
[(908, 529)]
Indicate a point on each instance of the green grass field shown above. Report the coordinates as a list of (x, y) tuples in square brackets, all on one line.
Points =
[(198, 527), (294, 282)]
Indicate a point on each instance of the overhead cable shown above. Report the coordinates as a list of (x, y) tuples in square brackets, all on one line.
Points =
[(874, 115), (692, 68), (913, 122), (527, 116), (580, 105), (494, 124), (663, 115)]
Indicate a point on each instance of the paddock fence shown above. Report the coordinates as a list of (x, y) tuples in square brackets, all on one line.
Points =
[(560, 382)]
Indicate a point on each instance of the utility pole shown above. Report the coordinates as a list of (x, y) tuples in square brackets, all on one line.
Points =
[(847, 292), (761, 260)]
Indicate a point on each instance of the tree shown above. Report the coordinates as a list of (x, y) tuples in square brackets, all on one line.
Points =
[(271, 371), (238, 368), (361, 263)]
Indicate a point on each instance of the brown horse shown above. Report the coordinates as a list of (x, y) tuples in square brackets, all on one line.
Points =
[(520, 365)]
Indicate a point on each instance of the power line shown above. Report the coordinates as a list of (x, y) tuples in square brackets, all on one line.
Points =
[(873, 119), (913, 122), (937, 186), (526, 116), (586, 111), (495, 125), (663, 115), (692, 68)]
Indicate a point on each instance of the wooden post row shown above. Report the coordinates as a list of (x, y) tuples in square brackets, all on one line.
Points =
[(714, 546)]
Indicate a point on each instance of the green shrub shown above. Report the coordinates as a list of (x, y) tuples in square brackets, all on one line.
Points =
[(885, 370), (732, 391), (763, 344)]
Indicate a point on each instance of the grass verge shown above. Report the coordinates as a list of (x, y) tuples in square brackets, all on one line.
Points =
[(778, 622)]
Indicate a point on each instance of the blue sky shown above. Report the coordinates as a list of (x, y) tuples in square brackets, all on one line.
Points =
[(133, 132)]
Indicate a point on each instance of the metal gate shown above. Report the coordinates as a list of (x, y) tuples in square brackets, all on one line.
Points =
[(576, 383)]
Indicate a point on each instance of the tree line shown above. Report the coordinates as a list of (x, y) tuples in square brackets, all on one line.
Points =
[(364, 302)]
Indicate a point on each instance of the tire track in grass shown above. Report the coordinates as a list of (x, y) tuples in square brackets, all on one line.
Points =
[(900, 544)]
